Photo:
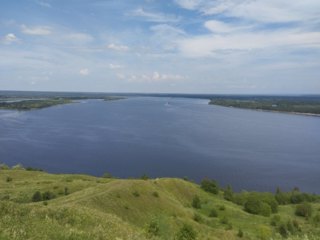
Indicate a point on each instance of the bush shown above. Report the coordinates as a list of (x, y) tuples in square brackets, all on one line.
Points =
[(107, 175), (222, 208), (275, 220), (264, 232), (304, 210), (186, 232), (48, 195), (196, 203), (256, 204), (153, 228), (34, 169), (213, 213), (281, 197), (37, 197), (155, 194), (210, 186), (283, 230), (224, 220), (136, 194), (66, 191), (197, 217), (4, 166), (9, 179), (316, 219), (240, 233), (144, 177), (18, 167), (228, 193)]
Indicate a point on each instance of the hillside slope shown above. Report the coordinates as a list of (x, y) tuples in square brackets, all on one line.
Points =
[(86, 207)]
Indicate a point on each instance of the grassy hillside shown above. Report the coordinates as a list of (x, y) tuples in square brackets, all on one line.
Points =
[(86, 207)]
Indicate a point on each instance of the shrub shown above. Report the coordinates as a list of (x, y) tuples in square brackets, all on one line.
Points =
[(107, 175), (136, 194), (240, 233), (34, 169), (222, 208), (153, 228), (275, 220), (18, 167), (255, 205), (264, 233), (186, 232), (9, 179), (37, 197), (213, 213), (4, 166), (224, 220), (281, 197), (210, 186), (196, 203), (283, 230), (48, 195), (316, 218), (144, 177), (304, 210), (197, 217), (155, 194), (228, 193), (265, 209)]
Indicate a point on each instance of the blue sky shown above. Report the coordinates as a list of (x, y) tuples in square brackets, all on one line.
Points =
[(180, 46)]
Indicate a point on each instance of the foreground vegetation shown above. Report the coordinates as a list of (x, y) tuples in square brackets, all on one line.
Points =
[(38, 205), (305, 105)]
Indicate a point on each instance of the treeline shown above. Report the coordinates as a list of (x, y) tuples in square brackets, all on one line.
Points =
[(33, 104), (303, 105)]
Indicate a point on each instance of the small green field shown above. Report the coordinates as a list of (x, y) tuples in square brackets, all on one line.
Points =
[(38, 205)]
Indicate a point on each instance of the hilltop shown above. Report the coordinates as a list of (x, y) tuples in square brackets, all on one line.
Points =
[(38, 205)]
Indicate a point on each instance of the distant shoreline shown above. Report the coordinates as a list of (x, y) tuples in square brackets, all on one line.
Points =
[(301, 106), (272, 111)]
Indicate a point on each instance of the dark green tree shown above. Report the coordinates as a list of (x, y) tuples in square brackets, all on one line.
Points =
[(210, 186)]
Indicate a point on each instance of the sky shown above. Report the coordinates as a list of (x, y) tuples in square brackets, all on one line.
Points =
[(168, 46)]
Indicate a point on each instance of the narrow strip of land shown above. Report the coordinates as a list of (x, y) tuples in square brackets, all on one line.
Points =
[(301, 105), (30, 104)]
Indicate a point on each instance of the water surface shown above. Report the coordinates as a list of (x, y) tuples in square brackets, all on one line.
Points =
[(167, 137)]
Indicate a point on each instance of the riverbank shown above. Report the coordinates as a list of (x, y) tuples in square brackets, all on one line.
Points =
[(298, 106)]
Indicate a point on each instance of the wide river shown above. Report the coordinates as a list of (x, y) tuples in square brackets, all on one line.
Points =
[(167, 137)]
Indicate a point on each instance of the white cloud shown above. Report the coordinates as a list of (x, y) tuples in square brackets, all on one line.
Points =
[(115, 66), (188, 4), (154, 17), (84, 71), (38, 30), (44, 4), (165, 36), (260, 10), (221, 27), (211, 44), (120, 48), (151, 78), (78, 38), (9, 38)]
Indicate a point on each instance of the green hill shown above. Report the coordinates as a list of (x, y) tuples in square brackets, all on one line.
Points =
[(38, 205)]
